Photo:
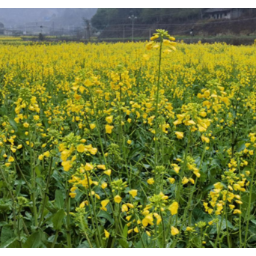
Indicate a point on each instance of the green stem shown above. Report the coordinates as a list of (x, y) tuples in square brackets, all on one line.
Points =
[(12, 197), (46, 190), (55, 239), (94, 210), (84, 230), (178, 196), (191, 198), (240, 217), (68, 224), (157, 102), (93, 224), (226, 217), (98, 128), (33, 181), (67, 205), (163, 227), (249, 205), (218, 231), (142, 241)]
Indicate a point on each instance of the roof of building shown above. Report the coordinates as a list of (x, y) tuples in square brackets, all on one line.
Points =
[(211, 10)]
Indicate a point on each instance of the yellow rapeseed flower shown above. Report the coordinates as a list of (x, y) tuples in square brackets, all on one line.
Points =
[(109, 119), (88, 167), (72, 195), (136, 230), (108, 172), (124, 208), (26, 125), (104, 203), (185, 180), (104, 185), (236, 211), (118, 199), (173, 208), (80, 148), (174, 231), (150, 181), (106, 233), (66, 165), (109, 128), (101, 166), (133, 192), (41, 157), (205, 139), (172, 180), (10, 159), (92, 126)]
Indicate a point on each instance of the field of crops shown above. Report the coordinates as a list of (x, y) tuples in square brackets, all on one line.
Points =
[(128, 145), (12, 40)]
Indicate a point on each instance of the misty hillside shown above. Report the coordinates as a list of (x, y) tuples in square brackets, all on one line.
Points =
[(16, 17), (116, 16)]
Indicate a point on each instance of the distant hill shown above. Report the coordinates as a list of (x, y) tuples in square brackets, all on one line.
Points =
[(18, 17), (115, 16), (115, 23)]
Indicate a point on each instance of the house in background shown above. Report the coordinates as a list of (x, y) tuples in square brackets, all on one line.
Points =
[(1, 28), (8, 32), (222, 13)]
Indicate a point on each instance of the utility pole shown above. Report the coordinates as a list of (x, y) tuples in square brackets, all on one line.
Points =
[(132, 18)]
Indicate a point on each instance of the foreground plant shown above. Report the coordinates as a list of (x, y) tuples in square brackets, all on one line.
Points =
[(128, 146)]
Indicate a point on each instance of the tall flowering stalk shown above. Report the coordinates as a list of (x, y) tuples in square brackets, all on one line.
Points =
[(158, 41)]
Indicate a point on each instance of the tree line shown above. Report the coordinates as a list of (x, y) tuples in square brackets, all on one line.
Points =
[(109, 16)]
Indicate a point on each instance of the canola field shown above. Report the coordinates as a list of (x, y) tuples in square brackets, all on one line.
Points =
[(13, 40), (129, 145)]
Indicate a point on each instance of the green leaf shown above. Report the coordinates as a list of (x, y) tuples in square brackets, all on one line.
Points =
[(125, 231), (57, 219), (105, 215), (245, 199), (34, 240), (59, 199), (123, 243), (253, 221), (212, 244), (6, 234), (5, 206), (138, 245), (13, 124), (241, 145), (9, 243), (85, 244), (15, 244), (38, 171)]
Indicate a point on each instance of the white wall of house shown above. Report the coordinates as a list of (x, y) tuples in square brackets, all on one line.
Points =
[(8, 33), (234, 13), (220, 15), (228, 16)]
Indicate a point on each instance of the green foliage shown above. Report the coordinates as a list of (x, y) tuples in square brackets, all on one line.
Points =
[(158, 151), (105, 17)]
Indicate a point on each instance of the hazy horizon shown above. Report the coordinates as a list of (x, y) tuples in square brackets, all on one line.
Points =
[(18, 17)]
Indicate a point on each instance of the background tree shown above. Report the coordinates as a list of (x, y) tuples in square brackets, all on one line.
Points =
[(113, 16)]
